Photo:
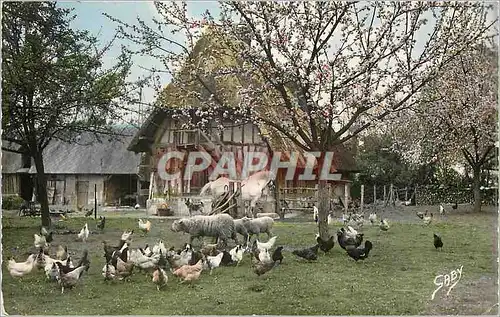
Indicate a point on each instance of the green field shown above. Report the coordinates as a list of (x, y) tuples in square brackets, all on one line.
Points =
[(397, 278)]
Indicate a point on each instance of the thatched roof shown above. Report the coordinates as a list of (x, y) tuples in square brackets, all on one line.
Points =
[(208, 56)]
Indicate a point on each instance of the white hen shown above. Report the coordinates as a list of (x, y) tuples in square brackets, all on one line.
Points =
[(40, 241), (159, 247), (213, 262), (237, 254), (264, 256), (373, 218), (266, 245), (84, 233), (18, 269)]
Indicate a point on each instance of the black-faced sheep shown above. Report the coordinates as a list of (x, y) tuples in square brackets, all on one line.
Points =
[(258, 226), (220, 226)]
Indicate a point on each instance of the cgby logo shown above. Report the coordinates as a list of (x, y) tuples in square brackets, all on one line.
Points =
[(446, 280)]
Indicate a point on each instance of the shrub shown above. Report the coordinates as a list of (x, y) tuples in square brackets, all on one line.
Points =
[(11, 202)]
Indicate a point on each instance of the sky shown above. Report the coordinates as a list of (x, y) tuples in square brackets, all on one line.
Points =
[(90, 17)]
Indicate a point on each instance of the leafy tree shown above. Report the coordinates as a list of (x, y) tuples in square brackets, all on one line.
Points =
[(54, 85), (317, 73), (381, 165), (457, 118)]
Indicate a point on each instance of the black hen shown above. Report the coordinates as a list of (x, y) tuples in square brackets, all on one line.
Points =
[(226, 259), (325, 246), (195, 257), (101, 223), (277, 256), (89, 212), (438, 243), (455, 205), (360, 253), (84, 260), (308, 254)]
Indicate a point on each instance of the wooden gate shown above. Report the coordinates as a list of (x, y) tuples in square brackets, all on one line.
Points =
[(82, 193)]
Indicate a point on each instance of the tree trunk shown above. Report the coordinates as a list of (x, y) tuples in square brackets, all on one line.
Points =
[(277, 201), (42, 189), (323, 209), (476, 188)]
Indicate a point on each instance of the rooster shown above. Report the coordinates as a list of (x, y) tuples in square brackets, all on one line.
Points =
[(84, 233), (144, 226)]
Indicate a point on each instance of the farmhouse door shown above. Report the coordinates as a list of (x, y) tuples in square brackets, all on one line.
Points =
[(82, 193)]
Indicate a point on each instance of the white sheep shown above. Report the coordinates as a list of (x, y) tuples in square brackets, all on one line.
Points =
[(220, 226), (258, 226), (239, 225)]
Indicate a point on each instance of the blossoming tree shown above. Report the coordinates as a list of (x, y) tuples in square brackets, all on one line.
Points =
[(318, 73), (457, 116)]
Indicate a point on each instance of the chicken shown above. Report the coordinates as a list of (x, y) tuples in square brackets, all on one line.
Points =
[(89, 212), (70, 279), (189, 272), (102, 223), (84, 261), (209, 249), (226, 259), (438, 243), (19, 269), (47, 235), (360, 253), (261, 268), (53, 273), (330, 218), (310, 254), (212, 262), (237, 254), (384, 225), (84, 233), (277, 255), (40, 241), (315, 214), (126, 236), (455, 206), (62, 252), (345, 218), (160, 277), (65, 266), (108, 272), (144, 226), (124, 269), (325, 246), (195, 257), (421, 214), (346, 240), (110, 250), (428, 219), (144, 262), (159, 247), (441, 210), (373, 218), (266, 245), (264, 256)]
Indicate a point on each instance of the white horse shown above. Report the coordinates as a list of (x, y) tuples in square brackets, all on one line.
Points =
[(251, 188)]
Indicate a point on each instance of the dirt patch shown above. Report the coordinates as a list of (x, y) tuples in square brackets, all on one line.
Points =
[(479, 297)]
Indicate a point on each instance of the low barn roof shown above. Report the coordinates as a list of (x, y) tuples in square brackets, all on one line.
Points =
[(109, 156)]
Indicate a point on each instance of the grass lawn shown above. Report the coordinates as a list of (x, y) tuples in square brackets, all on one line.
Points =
[(397, 278)]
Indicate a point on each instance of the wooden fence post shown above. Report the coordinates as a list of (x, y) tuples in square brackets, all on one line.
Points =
[(346, 197), (362, 197), (406, 194), (374, 194), (391, 194), (415, 194), (385, 196), (240, 205)]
